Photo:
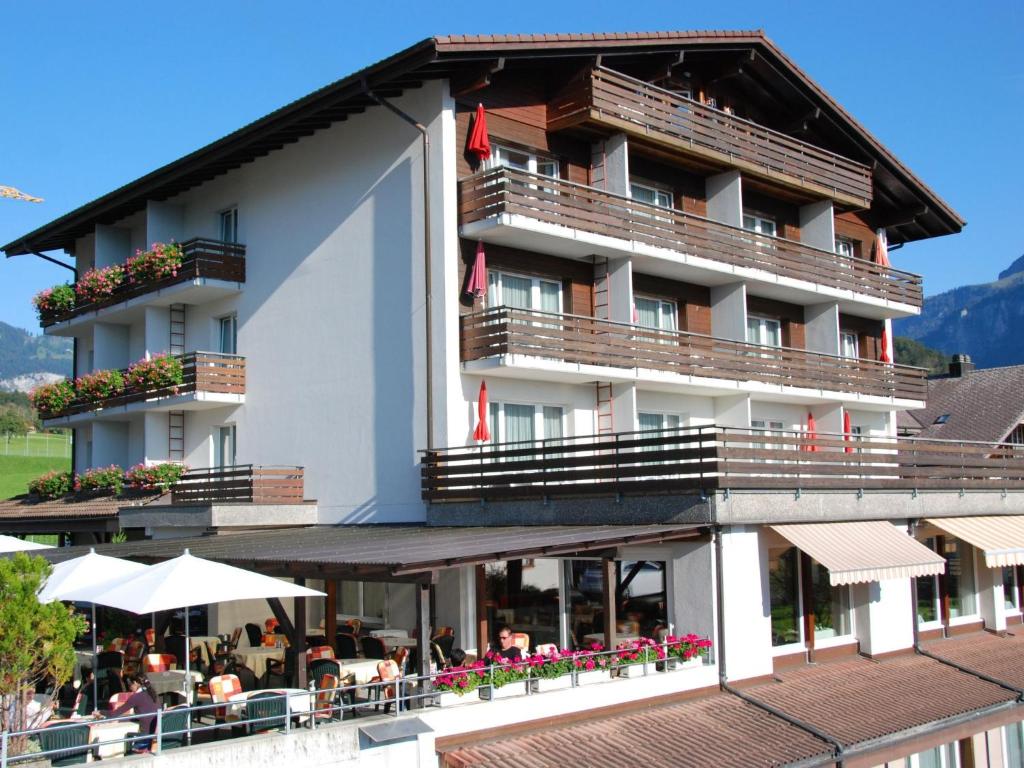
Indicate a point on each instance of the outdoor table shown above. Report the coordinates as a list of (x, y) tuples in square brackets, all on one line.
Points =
[(385, 633), (205, 643), (256, 658), (598, 637), (397, 641), (298, 700), (363, 670), (173, 681), (111, 731)]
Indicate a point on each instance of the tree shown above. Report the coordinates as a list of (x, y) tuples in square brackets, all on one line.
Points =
[(36, 640), (14, 420)]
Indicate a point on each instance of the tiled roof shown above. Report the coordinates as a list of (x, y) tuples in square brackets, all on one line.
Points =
[(1001, 658), (720, 730), (24, 508), (982, 405), (861, 700)]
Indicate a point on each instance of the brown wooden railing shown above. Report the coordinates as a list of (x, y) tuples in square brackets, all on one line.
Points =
[(589, 341), (201, 372), (201, 258), (510, 191), (240, 484), (610, 98), (710, 458)]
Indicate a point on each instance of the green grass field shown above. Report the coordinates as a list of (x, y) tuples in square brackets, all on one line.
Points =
[(36, 444), (16, 471)]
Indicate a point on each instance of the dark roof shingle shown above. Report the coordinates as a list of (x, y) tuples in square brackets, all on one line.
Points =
[(982, 405)]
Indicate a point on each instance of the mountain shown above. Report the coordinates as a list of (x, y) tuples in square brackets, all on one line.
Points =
[(910, 352), (986, 321), (27, 360)]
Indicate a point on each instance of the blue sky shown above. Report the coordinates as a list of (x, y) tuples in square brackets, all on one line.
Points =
[(98, 94)]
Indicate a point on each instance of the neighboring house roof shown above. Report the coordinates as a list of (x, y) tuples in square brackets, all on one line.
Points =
[(719, 730), (455, 55), (983, 405), (25, 509), (996, 656)]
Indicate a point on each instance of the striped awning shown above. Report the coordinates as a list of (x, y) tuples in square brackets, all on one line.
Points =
[(863, 551), (1000, 537)]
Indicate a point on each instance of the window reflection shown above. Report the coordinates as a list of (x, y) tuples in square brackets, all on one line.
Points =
[(640, 599), (784, 591), (524, 595)]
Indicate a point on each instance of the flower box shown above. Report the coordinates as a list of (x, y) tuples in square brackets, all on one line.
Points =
[(593, 676), (637, 670), (507, 691), (452, 699), (545, 684), (674, 663)]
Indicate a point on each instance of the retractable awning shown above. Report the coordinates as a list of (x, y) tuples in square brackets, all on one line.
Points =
[(1000, 537), (863, 551)]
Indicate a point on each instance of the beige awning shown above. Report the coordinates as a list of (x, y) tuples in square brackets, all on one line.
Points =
[(1000, 537), (863, 551)]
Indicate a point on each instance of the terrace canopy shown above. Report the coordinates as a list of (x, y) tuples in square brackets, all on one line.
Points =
[(999, 537)]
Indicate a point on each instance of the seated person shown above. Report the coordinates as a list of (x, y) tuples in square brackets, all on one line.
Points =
[(506, 648), (142, 702), (456, 658)]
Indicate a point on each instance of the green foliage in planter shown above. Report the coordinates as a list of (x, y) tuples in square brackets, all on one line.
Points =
[(688, 647), (99, 385), (461, 680), (162, 260), (156, 477), (52, 485), (99, 284), (158, 372), (52, 398), (101, 479), (54, 301)]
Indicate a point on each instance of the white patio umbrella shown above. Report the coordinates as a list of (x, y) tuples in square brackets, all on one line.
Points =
[(14, 544), (80, 577), (186, 581)]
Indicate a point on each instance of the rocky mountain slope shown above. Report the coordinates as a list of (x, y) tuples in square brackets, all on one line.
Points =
[(27, 360)]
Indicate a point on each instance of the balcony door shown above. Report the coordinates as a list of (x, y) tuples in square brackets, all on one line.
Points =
[(520, 422), (656, 314), (227, 333), (764, 331), (224, 441), (524, 292)]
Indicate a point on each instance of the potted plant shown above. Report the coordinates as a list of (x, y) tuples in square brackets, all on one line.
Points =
[(638, 657), (52, 399), (54, 301), (591, 665), (155, 477), (51, 485), (550, 672), (158, 372), (686, 651), (160, 261), (100, 480), (504, 678), (99, 284), (99, 385), (454, 684)]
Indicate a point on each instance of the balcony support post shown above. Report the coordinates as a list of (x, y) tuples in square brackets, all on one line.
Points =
[(725, 198), (817, 225)]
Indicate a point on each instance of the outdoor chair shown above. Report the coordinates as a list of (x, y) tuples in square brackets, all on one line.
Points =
[(356, 625), (159, 662), (174, 725), (246, 677), (445, 642), (399, 657), (347, 645), (327, 698), (387, 674), (109, 660), (265, 711), (150, 635), (320, 652), (255, 634), (233, 642), (222, 688), (437, 656), (176, 644), (72, 741), (314, 641), (546, 649), (133, 656), (320, 667), (521, 640), (373, 647)]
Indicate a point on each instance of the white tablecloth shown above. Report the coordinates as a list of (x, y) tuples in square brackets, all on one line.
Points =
[(119, 729), (206, 644), (256, 658), (173, 681), (382, 633), (363, 670)]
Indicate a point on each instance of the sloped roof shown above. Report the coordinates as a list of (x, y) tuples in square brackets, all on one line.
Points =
[(983, 405), (1000, 657), (445, 56), (26, 507)]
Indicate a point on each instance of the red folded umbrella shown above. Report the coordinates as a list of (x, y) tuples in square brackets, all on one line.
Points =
[(884, 356), (812, 431), (479, 144), (881, 249), (847, 431), (482, 434), (477, 285)]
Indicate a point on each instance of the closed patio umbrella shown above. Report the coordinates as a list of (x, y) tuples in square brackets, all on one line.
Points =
[(884, 355), (479, 144), (482, 433), (477, 286), (847, 431), (881, 249), (812, 431), (14, 544)]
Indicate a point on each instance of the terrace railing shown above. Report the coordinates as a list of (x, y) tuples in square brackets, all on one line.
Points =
[(201, 372), (201, 258), (710, 458), (615, 100), (588, 341), (508, 191), (240, 484)]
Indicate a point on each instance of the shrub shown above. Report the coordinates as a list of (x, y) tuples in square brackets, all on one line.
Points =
[(98, 284), (53, 398), (99, 385), (52, 485), (156, 477), (101, 479), (53, 301), (162, 260), (156, 373)]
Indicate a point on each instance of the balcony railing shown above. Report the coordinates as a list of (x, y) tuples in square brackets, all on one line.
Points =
[(213, 372), (240, 484), (589, 341), (710, 458), (509, 191), (624, 103), (201, 258)]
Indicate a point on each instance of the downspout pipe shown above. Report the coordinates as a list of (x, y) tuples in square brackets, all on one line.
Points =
[(836, 757), (425, 136)]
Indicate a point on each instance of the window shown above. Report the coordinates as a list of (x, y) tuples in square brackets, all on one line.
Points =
[(959, 582), (640, 592), (928, 593), (848, 345), (525, 595), (765, 331), (656, 421), (362, 599), (761, 427), (1014, 736), (647, 193), (941, 419), (227, 335), (845, 247), (513, 422), (522, 160), (229, 225), (655, 313), (224, 446), (831, 606), (784, 591), (946, 756), (522, 292), (760, 224), (1011, 595)]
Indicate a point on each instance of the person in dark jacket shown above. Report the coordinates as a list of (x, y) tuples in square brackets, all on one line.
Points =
[(143, 704)]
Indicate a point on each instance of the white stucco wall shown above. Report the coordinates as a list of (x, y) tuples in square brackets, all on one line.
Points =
[(746, 604)]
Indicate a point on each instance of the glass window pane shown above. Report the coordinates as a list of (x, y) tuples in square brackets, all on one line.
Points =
[(1010, 588), (515, 159), (668, 316), (524, 595), (749, 222), (785, 607), (772, 333), (1014, 744), (552, 422), (495, 423), (831, 605), (960, 578), (641, 596), (493, 289), (547, 168), (516, 292), (767, 227), (348, 598), (647, 311), (374, 597), (550, 296), (518, 422), (642, 193), (649, 421), (753, 330), (664, 199)]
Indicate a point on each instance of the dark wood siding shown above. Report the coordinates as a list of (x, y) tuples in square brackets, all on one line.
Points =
[(869, 334), (790, 315), (693, 301), (852, 226), (786, 215), (688, 189)]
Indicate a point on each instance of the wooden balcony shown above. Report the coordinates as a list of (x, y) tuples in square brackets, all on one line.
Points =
[(240, 484), (711, 458), (504, 192), (588, 341), (201, 259), (204, 373), (611, 100)]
